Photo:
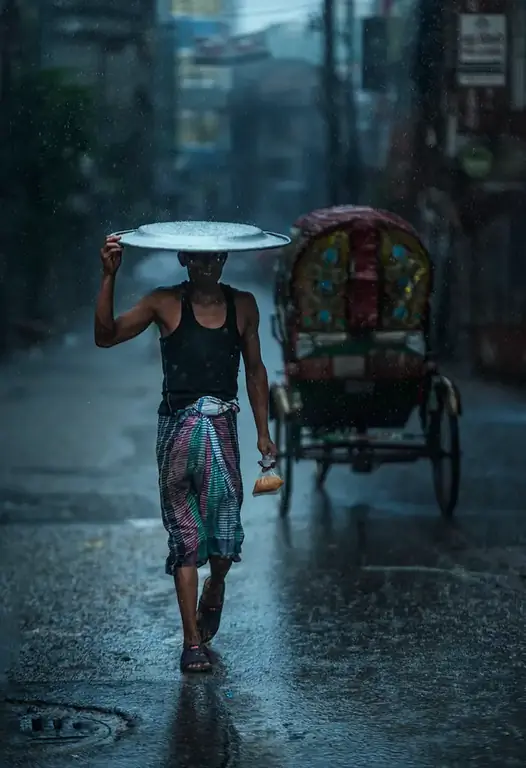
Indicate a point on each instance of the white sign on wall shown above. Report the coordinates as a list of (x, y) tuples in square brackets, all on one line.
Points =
[(482, 50)]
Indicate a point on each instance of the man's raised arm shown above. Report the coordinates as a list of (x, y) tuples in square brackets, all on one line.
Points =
[(109, 330)]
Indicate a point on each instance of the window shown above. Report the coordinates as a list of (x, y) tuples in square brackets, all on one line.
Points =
[(187, 128), (198, 128), (192, 75), (182, 7), (207, 7), (197, 7), (208, 128), (189, 73), (214, 77)]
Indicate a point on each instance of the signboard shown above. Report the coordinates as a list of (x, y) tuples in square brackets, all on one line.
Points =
[(482, 50)]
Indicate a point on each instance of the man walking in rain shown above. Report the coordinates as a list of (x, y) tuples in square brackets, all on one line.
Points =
[(205, 326)]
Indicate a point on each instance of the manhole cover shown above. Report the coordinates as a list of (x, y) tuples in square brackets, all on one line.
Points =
[(52, 726)]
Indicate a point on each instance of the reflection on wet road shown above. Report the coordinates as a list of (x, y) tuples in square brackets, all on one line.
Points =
[(362, 631)]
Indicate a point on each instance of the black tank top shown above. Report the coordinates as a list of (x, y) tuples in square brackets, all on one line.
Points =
[(198, 361)]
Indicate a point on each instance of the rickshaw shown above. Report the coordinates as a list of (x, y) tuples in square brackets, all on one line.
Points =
[(352, 316)]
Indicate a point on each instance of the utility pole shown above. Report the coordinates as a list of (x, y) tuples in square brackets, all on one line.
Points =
[(353, 165), (349, 43), (332, 104)]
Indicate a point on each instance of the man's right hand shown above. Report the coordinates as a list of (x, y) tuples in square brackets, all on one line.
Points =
[(111, 255)]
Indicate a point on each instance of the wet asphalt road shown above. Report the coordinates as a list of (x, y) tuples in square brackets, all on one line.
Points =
[(362, 633)]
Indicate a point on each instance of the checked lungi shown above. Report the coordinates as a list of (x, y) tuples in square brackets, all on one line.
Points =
[(200, 482)]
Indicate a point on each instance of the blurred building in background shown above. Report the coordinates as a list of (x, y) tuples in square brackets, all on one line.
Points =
[(158, 108), (276, 139), (457, 166), (87, 135), (202, 123), (118, 51), (123, 54), (166, 96), (234, 160)]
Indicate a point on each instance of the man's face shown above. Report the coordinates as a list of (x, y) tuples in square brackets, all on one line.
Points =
[(204, 269)]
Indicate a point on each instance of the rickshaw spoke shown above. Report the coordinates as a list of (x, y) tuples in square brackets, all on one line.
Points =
[(286, 467), (446, 463)]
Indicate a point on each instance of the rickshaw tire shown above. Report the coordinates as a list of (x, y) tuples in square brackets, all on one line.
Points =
[(287, 471), (273, 412), (278, 430), (284, 499), (447, 506), (285, 461)]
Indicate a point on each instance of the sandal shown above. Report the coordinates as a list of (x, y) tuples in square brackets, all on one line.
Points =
[(209, 616), (195, 659)]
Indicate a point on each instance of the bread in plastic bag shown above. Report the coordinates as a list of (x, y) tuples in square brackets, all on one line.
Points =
[(269, 481)]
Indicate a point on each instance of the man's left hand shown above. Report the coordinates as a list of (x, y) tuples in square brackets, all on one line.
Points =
[(266, 447)]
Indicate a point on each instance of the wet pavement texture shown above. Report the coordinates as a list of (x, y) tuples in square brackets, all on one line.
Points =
[(363, 631)]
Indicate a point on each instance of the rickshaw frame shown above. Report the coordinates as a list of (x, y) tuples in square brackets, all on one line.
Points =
[(301, 434)]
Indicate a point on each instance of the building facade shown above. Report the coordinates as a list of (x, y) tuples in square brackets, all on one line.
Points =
[(91, 75), (121, 54), (458, 167), (202, 117), (277, 140)]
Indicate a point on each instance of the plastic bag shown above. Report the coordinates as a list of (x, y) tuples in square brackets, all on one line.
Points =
[(269, 482)]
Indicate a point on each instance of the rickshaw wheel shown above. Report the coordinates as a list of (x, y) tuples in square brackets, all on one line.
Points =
[(285, 462), (447, 484)]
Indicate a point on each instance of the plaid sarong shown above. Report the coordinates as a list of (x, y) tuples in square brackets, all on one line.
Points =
[(200, 482)]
